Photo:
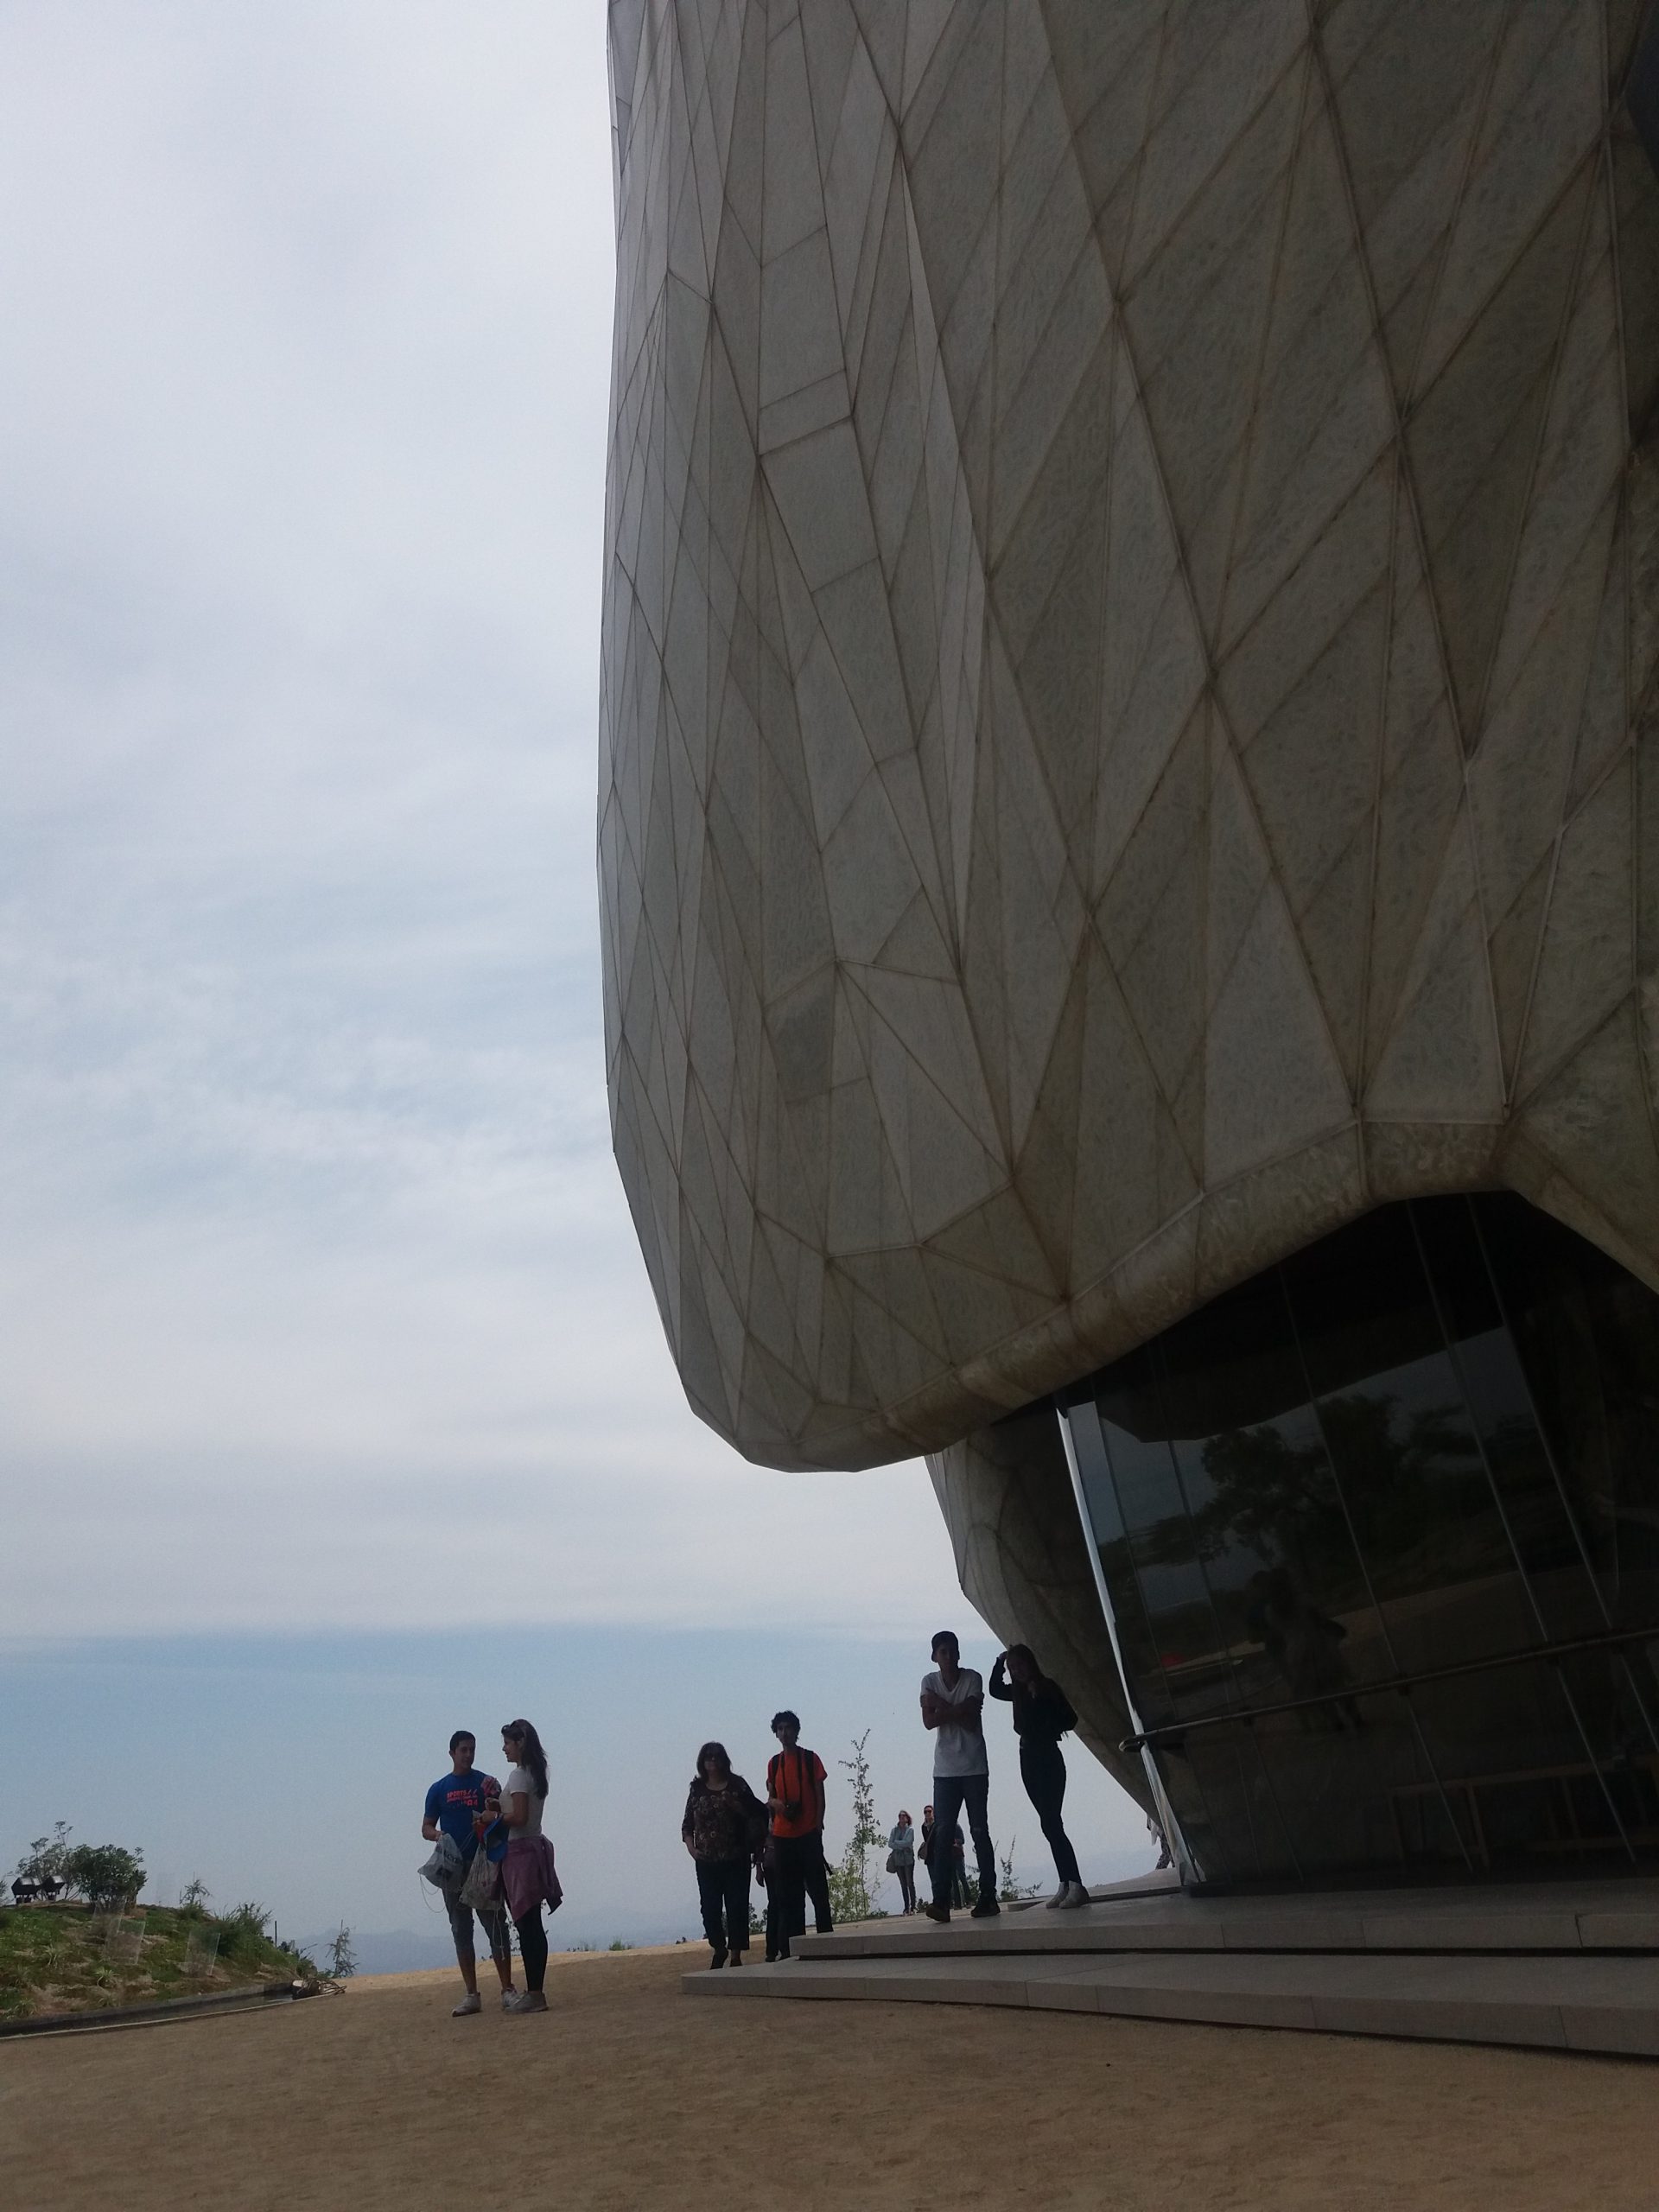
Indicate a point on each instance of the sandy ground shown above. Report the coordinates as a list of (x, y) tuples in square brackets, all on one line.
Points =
[(628, 2095)]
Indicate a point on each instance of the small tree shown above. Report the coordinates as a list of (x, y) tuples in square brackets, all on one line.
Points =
[(853, 1884), (104, 1873), (1009, 1890), (342, 1956), (45, 1857), (195, 1898)]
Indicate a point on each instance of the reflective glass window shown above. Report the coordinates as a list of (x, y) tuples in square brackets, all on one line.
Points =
[(1370, 1528)]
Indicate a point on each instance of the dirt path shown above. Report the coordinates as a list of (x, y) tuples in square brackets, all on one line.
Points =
[(629, 2095)]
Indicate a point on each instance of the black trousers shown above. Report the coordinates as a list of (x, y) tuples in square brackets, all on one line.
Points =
[(723, 1893), (1042, 1769), (797, 1871), (532, 1946)]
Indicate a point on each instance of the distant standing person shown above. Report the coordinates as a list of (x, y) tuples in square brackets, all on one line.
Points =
[(1042, 1715), (958, 1868), (529, 1877), (901, 1860), (454, 1805), (795, 1867), (725, 1823), (953, 1703)]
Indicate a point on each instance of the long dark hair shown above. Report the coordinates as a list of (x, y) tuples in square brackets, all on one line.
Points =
[(713, 1751), (531, 1757), (1039, 1682)]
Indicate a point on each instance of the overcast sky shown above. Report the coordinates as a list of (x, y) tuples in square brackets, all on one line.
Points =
[(320, 1309), (315, 1261)]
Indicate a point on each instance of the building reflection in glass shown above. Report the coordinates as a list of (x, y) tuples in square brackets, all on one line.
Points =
[(1378, 1537)]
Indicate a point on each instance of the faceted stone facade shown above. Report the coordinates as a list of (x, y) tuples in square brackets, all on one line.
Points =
[(1132, 597)]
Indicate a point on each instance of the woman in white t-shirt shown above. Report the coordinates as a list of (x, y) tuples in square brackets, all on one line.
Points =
[(528, 1878)]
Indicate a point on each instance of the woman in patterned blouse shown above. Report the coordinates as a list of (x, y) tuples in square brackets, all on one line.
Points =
[(722, 1829)]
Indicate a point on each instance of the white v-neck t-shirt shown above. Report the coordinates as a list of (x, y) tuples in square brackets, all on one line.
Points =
[(957, 1750)]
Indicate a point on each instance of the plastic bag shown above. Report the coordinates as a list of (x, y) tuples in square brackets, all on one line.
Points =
[(445, 1864), (482, 1887)]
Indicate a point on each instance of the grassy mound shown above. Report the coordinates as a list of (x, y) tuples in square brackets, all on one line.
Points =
[(67, 1959)]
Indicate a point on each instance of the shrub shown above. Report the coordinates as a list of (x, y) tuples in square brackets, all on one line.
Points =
[(104, 1873), (194, 1898), (1012, 1893), (854, 1883), (44, 1860), (242, 1924)]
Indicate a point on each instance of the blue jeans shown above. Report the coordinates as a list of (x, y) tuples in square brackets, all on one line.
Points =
[(951, 1793)]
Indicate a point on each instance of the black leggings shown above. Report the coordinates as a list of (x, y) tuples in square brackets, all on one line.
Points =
[(532, 1946), (1042, 1769)]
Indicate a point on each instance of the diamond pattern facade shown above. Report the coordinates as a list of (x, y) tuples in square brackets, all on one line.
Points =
[(1132, 602)]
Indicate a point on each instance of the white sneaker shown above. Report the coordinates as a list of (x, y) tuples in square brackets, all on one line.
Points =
[(526, 2000), (1060, 1897), (1074, 1896), (472, 2002), (508, 1998)]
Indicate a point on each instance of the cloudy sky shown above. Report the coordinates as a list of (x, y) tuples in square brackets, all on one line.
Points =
[(322, 1318)]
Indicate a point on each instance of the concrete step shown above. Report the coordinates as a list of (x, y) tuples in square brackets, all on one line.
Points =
[(1604, 2004), (1572, 1919)]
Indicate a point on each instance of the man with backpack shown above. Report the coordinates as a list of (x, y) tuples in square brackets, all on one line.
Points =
[(455, 1806), (795, 1868)]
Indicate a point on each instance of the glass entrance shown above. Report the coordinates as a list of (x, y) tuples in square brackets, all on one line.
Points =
[(1378, 1539)]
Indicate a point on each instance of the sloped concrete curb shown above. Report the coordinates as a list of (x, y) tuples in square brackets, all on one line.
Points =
[(254, 1998)]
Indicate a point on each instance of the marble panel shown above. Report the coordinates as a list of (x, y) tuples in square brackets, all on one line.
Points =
[(823, 503), (1441, 1061), (1542, 114)]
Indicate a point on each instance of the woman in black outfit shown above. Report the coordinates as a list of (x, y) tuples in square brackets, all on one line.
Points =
[(1042, 1715), (723, 1825)]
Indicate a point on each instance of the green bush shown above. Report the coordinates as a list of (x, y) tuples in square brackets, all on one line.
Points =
[(104, 1873), (241, 1925), (44, 1859)]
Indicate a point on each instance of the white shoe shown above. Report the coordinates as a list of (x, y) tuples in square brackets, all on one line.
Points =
[(526, 2000), (472, 2002), (508, 1999), (1074, 1895), (1060, 1897)]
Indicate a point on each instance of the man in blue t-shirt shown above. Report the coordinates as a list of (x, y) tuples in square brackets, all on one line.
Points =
[(452, 1803)]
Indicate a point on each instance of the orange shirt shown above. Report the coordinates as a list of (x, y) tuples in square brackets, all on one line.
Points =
[(797, 1776)]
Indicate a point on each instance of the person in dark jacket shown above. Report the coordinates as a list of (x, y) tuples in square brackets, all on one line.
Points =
[(1042, 1715), (723, 1825)]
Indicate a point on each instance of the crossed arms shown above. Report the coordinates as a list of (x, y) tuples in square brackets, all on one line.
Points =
[(940, 1713)]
